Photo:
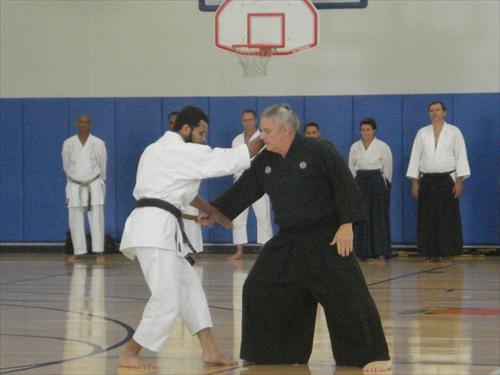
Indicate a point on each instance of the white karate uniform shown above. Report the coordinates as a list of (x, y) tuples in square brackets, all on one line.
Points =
[(448, 155), (85, 164), (377, 156), (171, 170), (261, 208)]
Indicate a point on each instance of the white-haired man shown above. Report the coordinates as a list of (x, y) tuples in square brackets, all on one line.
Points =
[(310, 260)]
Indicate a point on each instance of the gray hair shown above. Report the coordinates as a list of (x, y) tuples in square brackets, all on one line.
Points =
[(284, 114)]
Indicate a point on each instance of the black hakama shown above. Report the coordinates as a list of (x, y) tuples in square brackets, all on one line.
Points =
[(293, 273), (439, 230), (373, 236)]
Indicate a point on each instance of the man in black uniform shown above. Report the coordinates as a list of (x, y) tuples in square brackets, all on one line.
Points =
[(310, 260)]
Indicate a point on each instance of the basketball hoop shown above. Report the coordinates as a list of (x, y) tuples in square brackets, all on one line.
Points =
[(254, 63), (257, 30)]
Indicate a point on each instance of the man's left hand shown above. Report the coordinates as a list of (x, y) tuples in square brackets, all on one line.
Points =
[(344, 239), (458, 188)]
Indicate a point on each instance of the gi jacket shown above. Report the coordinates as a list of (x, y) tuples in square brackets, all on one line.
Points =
[(310, 185), (171, 170)]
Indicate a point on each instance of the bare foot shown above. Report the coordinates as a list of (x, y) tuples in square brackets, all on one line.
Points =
[(235, 257), (216, 358), (132, 360), (377, 366), (73, 258), (100, 258), (380, 260)]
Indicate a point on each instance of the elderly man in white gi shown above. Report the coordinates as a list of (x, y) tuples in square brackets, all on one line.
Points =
[(84, 162), (438, 167), (168, 178), (262, 207)]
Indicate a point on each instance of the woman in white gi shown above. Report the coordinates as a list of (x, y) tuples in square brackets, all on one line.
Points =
[(370, 162), (438, 167), (262, 207), (170, 171), (84, 163)]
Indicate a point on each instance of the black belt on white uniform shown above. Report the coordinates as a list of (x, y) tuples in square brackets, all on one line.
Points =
[(87, 185), (164, 205)]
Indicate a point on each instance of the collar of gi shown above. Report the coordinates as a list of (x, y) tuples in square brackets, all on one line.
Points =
[(297, 142), (174, 136)]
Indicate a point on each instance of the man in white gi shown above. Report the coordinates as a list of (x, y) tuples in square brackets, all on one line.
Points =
[(191, 228), (261, 207), (438, 167), (84, 162), (168, 178)]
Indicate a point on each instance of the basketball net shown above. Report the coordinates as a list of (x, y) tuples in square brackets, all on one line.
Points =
[(255, 64)]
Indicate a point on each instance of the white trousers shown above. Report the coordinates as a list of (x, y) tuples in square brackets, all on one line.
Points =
[(77, 228), (262, 210), (175, 290)]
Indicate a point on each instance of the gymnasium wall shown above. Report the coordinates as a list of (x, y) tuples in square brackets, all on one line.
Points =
[(32, 131), (166, 48), (128, 63)]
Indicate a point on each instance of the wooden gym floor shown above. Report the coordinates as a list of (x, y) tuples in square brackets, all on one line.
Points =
[(58, 318)]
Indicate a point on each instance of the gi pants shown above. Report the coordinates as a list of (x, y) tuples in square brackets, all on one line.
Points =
[(175, 290), (77, 228), (262, 210), (439, 223), (292, 274)]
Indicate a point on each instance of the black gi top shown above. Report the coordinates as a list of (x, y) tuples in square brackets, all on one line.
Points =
[(310, 185)]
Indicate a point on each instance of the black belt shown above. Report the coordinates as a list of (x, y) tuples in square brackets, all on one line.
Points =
[(164, 205), (441, 174)]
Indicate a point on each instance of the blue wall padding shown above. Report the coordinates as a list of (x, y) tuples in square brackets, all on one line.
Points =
[(334, 116), (44, 129), (11, 167), (481, 208), (32, 131)]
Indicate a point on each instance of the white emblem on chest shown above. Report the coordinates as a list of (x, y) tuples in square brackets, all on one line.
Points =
[(267, 170), (302, 165)]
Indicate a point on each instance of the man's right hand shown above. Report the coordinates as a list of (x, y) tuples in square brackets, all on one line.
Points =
[(215, 217), (415, 188)]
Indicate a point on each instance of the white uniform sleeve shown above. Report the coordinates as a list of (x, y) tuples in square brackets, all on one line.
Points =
[(462, 168), (414, 165), (387, 162), (351, 160), (205, 162), (66, 157), (103, 157)]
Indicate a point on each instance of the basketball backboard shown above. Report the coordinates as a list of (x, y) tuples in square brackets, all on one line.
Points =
[(260, 27), (212, 5)]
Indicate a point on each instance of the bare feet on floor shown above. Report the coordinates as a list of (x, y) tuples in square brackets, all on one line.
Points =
[(73, 258), (100, 258), (131, 360), (377, 366), (236, 256), (216, 358)]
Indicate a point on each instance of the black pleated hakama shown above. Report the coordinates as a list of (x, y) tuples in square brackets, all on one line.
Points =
[(373, 236), (439, 228)]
